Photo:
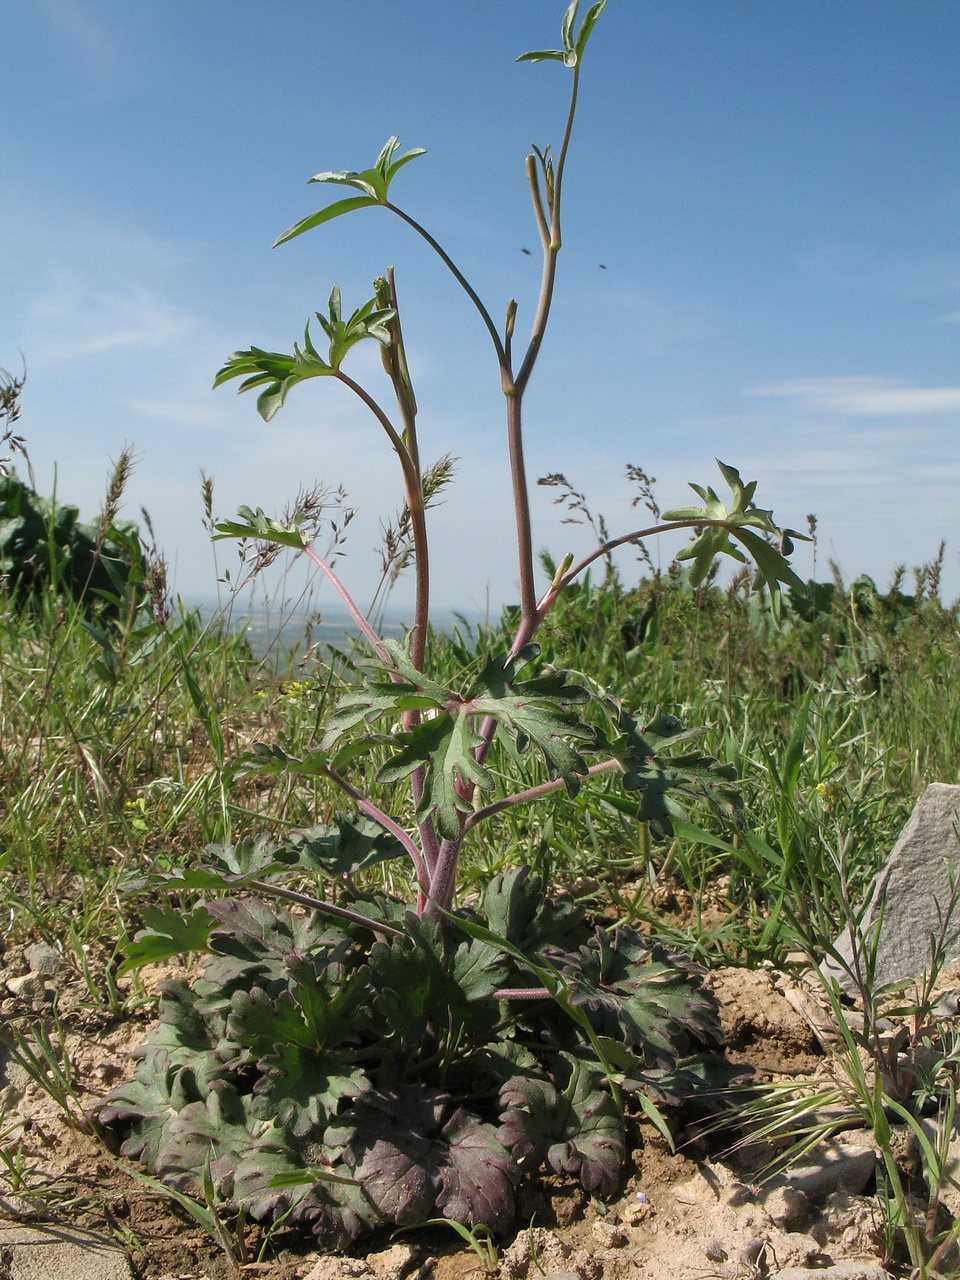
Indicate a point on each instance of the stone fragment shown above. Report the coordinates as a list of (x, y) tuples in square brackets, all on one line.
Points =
[(393, 1263), (43, 959), (537, 1252), (833, 1166), (852, 1224), (909, 889), (608, 1235), (788, 1207), (332, 1268), (42, 1253), (28, 986)]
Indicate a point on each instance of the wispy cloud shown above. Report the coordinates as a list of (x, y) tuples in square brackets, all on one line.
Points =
[(952, 317), (181, 412), (913, 276), (75, 320), (863, 397), (90, 291)]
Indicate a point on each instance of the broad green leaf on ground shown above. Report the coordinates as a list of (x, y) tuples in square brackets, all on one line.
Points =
[(210, 1133), (271, 1182), (478, 1175), (635, 992), (159, 1090), (517, 909), (416, 984), (414, 1150), (168, 933), (302, 1089), (390, 1140)]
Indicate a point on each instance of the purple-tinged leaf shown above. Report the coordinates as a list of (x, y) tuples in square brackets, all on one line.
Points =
[(478, 1176)]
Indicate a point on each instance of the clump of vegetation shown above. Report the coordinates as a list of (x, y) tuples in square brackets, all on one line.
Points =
[(396, 1059), (378, 1068), (44, 545), (43, 542)]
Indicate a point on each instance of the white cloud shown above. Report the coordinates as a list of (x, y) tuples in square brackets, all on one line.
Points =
[(867, 397), (952, 317), (183, 413), (73, 319)]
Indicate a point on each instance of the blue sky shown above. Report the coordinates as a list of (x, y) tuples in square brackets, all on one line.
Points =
[(773, 189)]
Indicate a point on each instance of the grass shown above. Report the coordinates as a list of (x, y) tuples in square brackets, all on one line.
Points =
[(117, 740)]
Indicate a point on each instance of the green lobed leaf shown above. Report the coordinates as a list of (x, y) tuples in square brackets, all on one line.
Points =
[(373, 183), (442, 747), (664, 784), (737, 523), (542, 55), (302, 1091), (653, 1002), (478, 1175), (350, 844), (167, 933), (539, 710), (517, 910), (148, 1103), (257, 524)]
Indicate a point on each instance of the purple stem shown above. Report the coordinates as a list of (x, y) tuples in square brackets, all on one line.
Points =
[(385, 821), (366, 630), (533, 793)]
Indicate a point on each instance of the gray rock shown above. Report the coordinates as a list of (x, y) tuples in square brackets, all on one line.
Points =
[(40, 1253), (43, 959), (833, 1166), (840, 1271), (909, 889)]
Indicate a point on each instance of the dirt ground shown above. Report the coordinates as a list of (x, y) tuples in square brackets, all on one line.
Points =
[(688, 1215)]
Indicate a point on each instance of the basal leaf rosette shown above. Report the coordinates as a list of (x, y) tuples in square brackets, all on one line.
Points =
[(347, 1077)]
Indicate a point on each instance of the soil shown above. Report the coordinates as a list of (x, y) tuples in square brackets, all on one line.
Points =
[(687, 1215)]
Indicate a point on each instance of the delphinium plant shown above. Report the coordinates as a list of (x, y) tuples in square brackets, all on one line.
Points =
[(365, 1061)]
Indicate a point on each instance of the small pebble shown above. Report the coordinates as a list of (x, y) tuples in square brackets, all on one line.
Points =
[(28, 986), (608, 1235)]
